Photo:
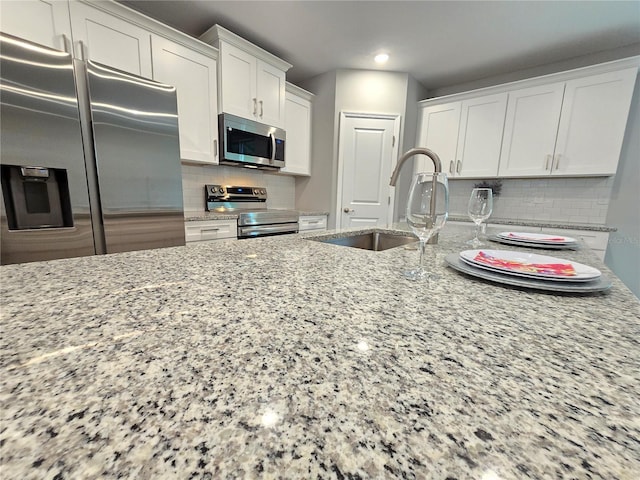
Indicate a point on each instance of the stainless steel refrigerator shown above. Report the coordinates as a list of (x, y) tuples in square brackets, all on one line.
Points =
[(89, 155)]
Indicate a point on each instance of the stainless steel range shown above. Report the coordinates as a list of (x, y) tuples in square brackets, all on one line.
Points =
[(250, 204)]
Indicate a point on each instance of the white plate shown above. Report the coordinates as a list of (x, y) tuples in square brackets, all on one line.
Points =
[(525, 275), (582, 272), (547, 246), (600, 284), (537, 238)]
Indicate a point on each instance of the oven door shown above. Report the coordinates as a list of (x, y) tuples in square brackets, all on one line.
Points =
[(244, 142), (252, 231)]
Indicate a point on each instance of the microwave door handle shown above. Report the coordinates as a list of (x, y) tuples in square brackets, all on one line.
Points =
[(273, 147)]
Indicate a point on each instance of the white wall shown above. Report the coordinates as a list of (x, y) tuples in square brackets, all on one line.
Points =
[(316, 192), (361, 91), (623, 251), (415, 93)]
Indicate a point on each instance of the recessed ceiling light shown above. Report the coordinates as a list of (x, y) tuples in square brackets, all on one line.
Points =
[(381, 58)]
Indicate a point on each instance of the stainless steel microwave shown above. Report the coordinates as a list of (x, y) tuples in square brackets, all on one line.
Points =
[(250, 144)]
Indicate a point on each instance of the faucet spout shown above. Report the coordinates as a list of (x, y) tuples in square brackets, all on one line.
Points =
[(437, 165)]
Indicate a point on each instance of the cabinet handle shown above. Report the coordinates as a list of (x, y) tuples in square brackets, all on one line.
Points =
[(546, 163), (451, 167), (215, 148), (312, 222), (84, 51), (261, 109), (65, 44), (557, 161), (255, 106), (458, 166), (212, 229)]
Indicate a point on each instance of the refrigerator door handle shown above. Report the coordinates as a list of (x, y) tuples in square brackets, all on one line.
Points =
[(67, 45), (84, 53)]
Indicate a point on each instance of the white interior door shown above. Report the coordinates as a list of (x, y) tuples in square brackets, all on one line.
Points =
[(367, 153)]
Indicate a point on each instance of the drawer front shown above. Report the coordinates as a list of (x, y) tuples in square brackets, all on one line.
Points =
[(210, 230), (596, 241), (312, 222)]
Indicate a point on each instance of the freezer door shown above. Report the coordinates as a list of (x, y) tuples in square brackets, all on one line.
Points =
[(135, 136), (40, 131)]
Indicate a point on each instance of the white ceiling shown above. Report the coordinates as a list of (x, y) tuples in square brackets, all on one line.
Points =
[(439, 43)]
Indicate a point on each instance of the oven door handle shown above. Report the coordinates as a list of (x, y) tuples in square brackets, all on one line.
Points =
[(257, 230), (273, 147)]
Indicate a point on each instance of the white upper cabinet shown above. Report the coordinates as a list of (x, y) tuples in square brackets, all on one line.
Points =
[(271, 94), (568, 128), (110, 40), (466, 135), (194, 76), (592, 123), (530, 130), (39, 21), (251, 80), (297, 146), (438, 131), (565, 124), (480, 136)]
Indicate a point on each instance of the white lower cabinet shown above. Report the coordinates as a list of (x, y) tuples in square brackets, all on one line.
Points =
[(595, 240), (312, 222), (201, 230)]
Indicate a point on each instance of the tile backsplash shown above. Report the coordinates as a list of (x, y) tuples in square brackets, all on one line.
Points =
[(281, 188), (573, 200)]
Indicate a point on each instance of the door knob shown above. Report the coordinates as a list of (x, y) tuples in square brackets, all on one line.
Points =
[(347, 210)]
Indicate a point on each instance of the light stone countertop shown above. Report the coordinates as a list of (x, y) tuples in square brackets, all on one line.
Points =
[(284, 357), (539, 223)]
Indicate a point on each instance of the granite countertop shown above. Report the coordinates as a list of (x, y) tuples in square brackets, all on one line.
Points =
[(539, 223), (283, 357)]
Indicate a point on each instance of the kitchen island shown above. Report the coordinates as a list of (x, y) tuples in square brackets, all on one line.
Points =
[(283, 357)]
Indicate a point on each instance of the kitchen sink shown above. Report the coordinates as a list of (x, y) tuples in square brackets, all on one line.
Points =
[(375, 241)]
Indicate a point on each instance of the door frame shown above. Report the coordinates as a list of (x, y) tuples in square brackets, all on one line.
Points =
[(397, 118)]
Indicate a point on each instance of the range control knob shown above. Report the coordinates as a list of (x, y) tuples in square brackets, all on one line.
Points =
[(221, 190), (263, 192)]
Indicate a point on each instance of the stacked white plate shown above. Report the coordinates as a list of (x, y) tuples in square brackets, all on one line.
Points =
[(536, 240), (529, 270)]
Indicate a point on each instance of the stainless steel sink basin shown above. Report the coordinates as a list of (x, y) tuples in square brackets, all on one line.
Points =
[(375, 241)]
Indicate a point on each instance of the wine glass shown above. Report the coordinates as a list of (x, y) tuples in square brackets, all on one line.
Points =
[(479, 209), (427, 211)]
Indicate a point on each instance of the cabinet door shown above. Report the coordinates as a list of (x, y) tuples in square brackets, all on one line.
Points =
[(194, 76), (110, 40), (298, 143), (480, 137), (39, 21), (593, 122), (197, 231), (270, 91), (312, 222), (238, 82), (530, 130), (439, 133)]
